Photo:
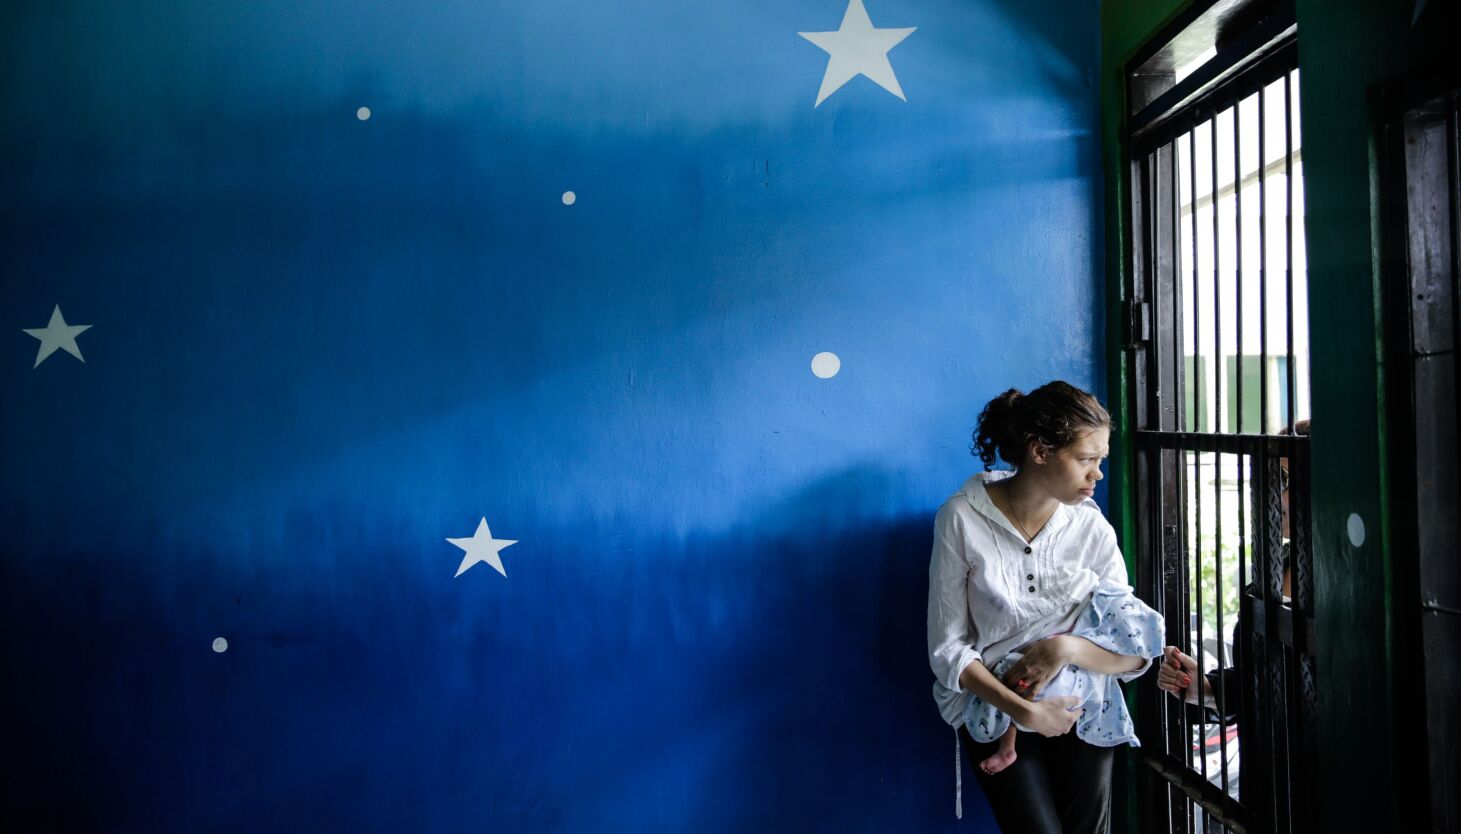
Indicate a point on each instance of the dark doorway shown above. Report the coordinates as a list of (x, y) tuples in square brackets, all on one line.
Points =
[(1421, 240)]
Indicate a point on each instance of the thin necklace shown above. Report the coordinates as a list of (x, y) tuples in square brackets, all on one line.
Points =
[(1013, 516)]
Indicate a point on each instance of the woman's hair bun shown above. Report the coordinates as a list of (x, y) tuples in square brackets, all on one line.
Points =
[(1052, 415), (994, 430)]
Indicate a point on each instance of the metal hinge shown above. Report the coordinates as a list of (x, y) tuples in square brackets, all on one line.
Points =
[(1138, 323)]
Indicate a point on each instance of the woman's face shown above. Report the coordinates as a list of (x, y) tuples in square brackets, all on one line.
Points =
[(1070, 473)]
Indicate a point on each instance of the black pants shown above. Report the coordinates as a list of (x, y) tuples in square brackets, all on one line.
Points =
[(1057, 785)]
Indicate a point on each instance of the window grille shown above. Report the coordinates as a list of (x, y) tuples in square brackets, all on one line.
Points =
[(1219, 374)]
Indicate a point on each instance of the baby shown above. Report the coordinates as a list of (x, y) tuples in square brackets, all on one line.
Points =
[(1114, 619)]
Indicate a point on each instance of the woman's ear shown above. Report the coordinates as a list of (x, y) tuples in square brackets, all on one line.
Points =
[(1037, 452)]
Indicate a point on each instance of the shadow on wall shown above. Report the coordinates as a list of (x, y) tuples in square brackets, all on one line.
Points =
[(773, 678)]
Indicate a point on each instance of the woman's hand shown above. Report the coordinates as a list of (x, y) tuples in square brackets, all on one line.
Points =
[(1052, 716), (1178, 672), (1041, 663)]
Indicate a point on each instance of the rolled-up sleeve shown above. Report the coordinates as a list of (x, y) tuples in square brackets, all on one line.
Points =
[(951, 632)]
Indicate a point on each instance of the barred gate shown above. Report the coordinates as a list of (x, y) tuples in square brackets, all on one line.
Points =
[(1218, 347)]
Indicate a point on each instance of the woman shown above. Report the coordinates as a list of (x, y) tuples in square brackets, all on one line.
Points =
[(1015, 557)]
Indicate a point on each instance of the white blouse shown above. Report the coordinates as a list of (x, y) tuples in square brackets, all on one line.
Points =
[(990, 593)]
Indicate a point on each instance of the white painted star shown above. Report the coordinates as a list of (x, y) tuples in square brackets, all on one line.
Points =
[(57, 334), (856, 48), (481, 547)]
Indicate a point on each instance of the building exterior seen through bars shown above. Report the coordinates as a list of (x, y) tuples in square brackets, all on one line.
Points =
[(1218, 311)]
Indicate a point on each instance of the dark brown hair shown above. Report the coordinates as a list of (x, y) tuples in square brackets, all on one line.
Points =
[(1052, 415)]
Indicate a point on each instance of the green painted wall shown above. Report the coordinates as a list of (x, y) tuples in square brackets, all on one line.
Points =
[(1345, 49)]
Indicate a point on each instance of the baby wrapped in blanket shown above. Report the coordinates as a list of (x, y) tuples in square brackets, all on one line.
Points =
[(1114, 619)]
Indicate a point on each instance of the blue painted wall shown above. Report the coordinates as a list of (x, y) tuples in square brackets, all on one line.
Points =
[(322, 345)]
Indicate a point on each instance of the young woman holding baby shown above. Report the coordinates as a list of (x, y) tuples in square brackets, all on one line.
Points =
[(1031, 621)]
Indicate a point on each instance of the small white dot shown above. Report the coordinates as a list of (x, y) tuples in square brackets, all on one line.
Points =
[(1356, 529), (220, 645), (363, 113), (826, 365), (569, 198)]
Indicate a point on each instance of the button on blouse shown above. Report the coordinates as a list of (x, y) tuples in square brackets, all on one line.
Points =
[(983, 601)]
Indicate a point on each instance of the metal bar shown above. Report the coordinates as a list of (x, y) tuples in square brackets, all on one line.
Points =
[(1264, 72), (1453, 176), (1195, 395), (1206, 373), (1243, 463), (1213, 79), (1288, 185), (1257, 759), (1263, 426), (1242, 460), (1154, 713), (1266, 666), (1290, 752), (1219, 371), (1277, 444), (1304, 537), (1174, 604), (1151, 284), (1217, 280), (1142, 224), (1238, 361), (1144, 384), (1175, 555), (1187, 596), (1238, 277), (1205, 794), (1277, 696), (1195, 558), (1179, 378), (1222, 658), (1191, 461), (1164, 249), (1178, 733)]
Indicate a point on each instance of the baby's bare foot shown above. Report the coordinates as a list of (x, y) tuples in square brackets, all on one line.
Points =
[(999, 761)]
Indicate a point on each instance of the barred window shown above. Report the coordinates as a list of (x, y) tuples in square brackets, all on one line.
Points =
[(1219, 380)]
